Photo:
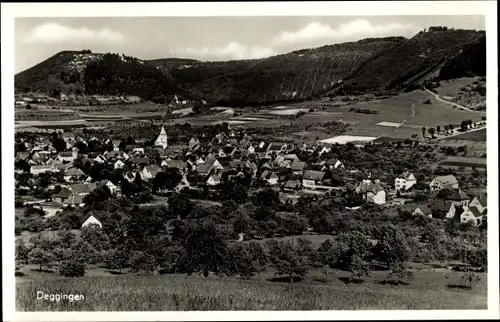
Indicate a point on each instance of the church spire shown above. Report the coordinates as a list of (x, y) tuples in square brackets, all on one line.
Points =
[(162, 139)]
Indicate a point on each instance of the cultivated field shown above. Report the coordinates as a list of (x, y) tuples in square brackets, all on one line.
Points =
[(430, 290)]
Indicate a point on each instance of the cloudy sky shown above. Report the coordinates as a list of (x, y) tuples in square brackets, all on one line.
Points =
[(209, 38)]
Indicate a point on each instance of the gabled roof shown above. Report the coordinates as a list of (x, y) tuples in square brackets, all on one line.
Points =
[(475, 211), (298, 166), (457, 195), (425, 209), (64, 193), (153, 169), (405, 175), (292, 184), (268, 175), (74, 172), (332, 161), (214, 178), (139, 160), (447, 180), (178, 164), (74, 199), (205, 168), (83, 187), (483, 200), (66, 154), (91, 214), (275, 146), (313, 175), (441, 205)]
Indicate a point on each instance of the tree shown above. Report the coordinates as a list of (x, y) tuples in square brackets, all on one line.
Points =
[(167, 179), (438, 129), (431, 131), (323, 257), (143, 262), (96, 237), (393, 250), (72, 268), (350, 252), (22, 253), (240, 261), (423, 131), (205, 249), (117, 258), (287, 259), (179, 205), (267, 197), (41, 257)]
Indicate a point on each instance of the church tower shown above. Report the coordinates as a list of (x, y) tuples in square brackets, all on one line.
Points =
[(162, 139)]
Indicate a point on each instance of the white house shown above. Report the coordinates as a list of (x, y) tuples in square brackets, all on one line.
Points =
[(312, 178), (119, 165), (68, 156), (422, 210), (111, 186), (480, 202), (466, 215), (376, 194), (405, 181), (150, 171), (213, 180), (270, 177), (443, 182), (162, 139), (92, 220)]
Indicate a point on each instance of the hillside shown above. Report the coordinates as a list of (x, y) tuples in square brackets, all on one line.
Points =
[(375, 65), (408, 64)]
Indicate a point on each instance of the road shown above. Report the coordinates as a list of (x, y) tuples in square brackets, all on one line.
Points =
[(457, 132)]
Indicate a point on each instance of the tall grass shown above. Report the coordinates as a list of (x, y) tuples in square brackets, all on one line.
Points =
[(172, 292)]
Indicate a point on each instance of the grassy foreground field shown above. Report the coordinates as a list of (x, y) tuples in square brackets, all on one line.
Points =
[(175, 292)]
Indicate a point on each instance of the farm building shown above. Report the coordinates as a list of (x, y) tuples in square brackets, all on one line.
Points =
[(404, 181), (443, 182)]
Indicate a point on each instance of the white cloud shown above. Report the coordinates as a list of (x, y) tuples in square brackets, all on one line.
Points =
[(353, 30), (52, 33), (232, 50)]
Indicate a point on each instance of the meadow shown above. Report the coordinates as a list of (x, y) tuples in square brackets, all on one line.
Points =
[(196, 293), (477, 136)]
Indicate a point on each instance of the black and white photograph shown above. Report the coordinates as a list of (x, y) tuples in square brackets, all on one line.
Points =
[(246, 160)]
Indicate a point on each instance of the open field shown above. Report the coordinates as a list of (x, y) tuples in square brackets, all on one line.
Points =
[(430, 290), (343, 139)]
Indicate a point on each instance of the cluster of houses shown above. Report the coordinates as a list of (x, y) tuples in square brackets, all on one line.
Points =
[(231, 155)]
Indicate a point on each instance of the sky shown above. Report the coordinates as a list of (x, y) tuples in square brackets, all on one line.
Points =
[(210, 38)]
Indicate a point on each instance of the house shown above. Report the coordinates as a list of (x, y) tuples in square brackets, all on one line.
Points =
[(478, 215), (464, 214), (334, 163), (68, 156), (100, 159), (442, 209), (227, 151), (110, 185), (423, 210), (37, 169), (213, 180), (63, 195), (270, 177), (404, 181), (137, 151), (298, 167), (251, 149), (143, 161), (210, 165), (458, 197), (479, 202), (194, 143), (292, 185), (312, 178), (178, 164), (72, 174), (51, 208), (150, 171), (442, 182), (276, 147), (119, 165), (92, 219), (372, 192), (129, 176), (376, 194), (74, 200), (162, 139)]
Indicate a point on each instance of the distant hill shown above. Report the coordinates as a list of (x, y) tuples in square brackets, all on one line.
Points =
[(379, 65)]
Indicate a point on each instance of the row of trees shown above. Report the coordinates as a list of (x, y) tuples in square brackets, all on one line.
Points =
[(464, 125)]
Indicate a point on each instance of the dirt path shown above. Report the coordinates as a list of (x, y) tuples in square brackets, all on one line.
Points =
[(451, 103), (456, 132), (402, 123)]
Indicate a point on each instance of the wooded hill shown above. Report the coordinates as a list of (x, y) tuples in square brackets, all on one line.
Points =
[(376, 65)]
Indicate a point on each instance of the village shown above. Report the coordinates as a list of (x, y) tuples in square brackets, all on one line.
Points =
[(230, 156)]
